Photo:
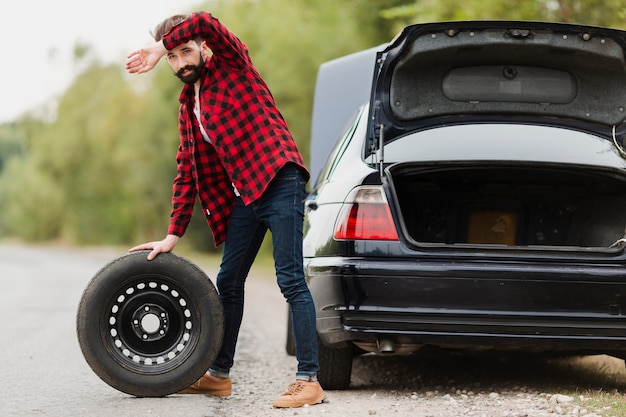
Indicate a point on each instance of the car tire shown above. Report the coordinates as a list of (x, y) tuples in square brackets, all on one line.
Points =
[(335, 366), (290, 343), (150, 328)]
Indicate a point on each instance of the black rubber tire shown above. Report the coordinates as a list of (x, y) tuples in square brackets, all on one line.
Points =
[(335, 366), (150, 328), (290, 342)]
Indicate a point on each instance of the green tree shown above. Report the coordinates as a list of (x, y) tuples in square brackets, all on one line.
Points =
[(30, 202), (99, 168), (100, 159), (11, 143)]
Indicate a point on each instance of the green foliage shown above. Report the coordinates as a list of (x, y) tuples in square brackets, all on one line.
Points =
[(30, 202), (95, 165), (11, 143), (99, 168)]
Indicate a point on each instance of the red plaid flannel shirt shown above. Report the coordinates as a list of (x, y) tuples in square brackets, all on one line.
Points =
[(250, 141)]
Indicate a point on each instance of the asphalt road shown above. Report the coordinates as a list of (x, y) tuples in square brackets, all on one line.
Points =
[(42, 370)]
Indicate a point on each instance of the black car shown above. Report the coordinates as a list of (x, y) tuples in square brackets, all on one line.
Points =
[(476, 199)]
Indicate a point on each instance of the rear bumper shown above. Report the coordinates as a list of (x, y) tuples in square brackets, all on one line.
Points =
[(547, 306)]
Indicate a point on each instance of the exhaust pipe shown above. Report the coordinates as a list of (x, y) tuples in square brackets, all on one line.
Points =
[(386, 346)]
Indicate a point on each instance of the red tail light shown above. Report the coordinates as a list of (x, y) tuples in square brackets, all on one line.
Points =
[(365, 215)]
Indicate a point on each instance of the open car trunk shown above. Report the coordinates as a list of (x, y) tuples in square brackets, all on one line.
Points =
[(510, 205)]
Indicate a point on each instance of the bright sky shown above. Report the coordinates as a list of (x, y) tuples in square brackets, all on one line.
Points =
[(38, 39)]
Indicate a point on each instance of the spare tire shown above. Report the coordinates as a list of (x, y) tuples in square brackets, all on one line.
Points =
[(150, 328)]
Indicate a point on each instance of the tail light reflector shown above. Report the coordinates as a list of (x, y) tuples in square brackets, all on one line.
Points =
[(365, 215)]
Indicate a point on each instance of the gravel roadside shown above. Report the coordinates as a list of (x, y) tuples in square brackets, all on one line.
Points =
[(428, 385)]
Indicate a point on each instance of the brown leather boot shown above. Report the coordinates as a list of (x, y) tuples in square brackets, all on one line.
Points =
[(211, 385), (299, 394)]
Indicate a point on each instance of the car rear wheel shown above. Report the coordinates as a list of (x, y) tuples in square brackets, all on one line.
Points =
[(150, 328), (335, 366)]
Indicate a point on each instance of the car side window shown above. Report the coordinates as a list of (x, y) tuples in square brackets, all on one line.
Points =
[(340, 146)]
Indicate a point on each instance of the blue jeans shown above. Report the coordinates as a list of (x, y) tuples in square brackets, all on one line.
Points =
[(281, 210)]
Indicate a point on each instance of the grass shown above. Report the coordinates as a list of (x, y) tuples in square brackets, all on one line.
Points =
[(606, 404), (605, 380)]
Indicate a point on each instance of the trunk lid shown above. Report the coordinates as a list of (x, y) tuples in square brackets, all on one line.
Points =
[(494, 71)]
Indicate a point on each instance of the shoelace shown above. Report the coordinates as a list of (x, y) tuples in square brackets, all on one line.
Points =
[(294, 388)]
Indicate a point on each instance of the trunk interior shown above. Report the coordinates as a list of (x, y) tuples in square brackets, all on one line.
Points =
[(516, 206)]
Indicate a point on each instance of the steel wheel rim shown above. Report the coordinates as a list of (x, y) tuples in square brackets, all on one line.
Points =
[(151, 325)]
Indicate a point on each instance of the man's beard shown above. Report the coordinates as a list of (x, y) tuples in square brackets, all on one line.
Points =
[(194, 75)]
